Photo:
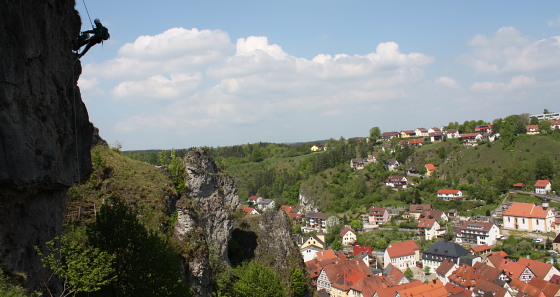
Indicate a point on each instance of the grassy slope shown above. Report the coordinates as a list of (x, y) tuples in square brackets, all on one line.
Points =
[(140, 185)]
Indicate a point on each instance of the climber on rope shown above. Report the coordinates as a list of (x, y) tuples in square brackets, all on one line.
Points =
[(98, 34)]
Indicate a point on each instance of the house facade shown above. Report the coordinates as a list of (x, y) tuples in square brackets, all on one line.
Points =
[(452, 133), (378, 215), (449, 195), (348, 236), (429, 229), (440, 251), (392, 164), (529, 217), (532, 129), (386, 136), (543, 187), (402, 254), (396, 182), (316, 220), (471, 139), (430, 168), (423, 132), (479, 233)]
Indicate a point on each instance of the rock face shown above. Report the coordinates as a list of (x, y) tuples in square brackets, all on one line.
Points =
[(206, 225), (45, 133)]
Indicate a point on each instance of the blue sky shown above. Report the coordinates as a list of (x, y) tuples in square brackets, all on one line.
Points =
[(177, 74)]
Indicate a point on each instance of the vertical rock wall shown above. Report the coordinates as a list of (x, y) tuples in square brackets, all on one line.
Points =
[(45, 133)]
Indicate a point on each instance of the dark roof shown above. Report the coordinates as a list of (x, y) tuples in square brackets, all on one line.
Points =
[(557, 239), (446, 249)]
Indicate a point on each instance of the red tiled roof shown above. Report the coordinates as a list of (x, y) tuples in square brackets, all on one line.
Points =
[(391, 291), (402, 248), (476, 226), (445, 266), (453, 289), (480, 248), (254, 197), (361, 248), (512, 269), (489, 287), (548, 288), (542, 183), (470, 135), (540, 269), (527, 210), (426, 223), (416, 141), (430, 167), (368, 286), (532, 127), (377, 211), (518, 185), (465, 276), (345, 230), (431, 289), (555, 122), (419, 208), (448, 191), (247, 209)]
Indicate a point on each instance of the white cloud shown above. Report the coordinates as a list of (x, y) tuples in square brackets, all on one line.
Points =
[(448, 82), (157, 87), (516, 83), (508, 51)]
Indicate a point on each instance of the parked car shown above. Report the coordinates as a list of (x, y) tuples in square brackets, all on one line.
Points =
[(419, 264), (538, 240)]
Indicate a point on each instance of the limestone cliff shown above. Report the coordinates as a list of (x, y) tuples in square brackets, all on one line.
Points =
[(45, 133), (205, 219)]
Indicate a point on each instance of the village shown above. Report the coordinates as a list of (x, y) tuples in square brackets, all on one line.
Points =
[(447, 253)]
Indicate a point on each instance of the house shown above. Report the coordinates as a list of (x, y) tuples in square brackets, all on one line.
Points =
[(407, 134), (452, 133), (362, 252), (484, 287), (490, 137), (449, 195), (249, 211), (429, 228), (393, 276), (378, 215), (528, 217), (541, 270), (543, 187), (532, 129), (416, 142), (252, 201), (392, 164), (395, 290), (483, 129), (436, 136), (265, 204), (402, 254), (556, 243), (316, 220), (372, 158), (430, 168), (444, 270), (555, 124), (333, 270), (396, 182), (518, 186), (387, 147), (415, 210), (479, 233), (348, 236), (386, 136), (423, 132), (311, 246), (291, 212), (465, 276), (357, 163), (316, 148), (434, 214), (434, 130), (535, 287), (441, 250), (432, 288), (471, 139), (480, 250), (367, 286)]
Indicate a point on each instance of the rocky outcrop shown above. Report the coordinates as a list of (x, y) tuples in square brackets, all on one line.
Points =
[(45, 133), (205, 219), (306, 204)]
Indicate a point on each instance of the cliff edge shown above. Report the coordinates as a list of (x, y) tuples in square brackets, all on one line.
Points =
[(45, 133)]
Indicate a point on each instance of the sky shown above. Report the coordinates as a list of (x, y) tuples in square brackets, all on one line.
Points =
[(180, 74)]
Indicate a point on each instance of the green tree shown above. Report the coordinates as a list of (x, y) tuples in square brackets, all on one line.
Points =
[(356, 224), (336, 245), (253, 279), (545, 127), (7, 289), (544, 168), (374, 134), (427, 270), (298, 283), (533, 121), (408, 273), (177, 170), (82, 268), (163, 159), (145, 264)]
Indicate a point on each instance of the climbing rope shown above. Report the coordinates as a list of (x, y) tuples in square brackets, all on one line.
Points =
[(75, 121), (84, 1)]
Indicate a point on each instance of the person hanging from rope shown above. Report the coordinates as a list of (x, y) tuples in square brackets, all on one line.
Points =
[(92, 37)]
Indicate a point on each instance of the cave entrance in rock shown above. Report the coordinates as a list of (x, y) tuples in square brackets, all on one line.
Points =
[(241, 246)]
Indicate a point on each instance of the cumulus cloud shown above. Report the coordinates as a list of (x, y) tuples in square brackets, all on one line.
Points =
[(206, 80), (554, 22), (508, 51), (516, 83), (447, 81)]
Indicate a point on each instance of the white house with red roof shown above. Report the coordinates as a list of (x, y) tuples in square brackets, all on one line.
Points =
[(249, 211), (452, 133), (436, 136), (449, 195), (529, 217), (396, 181), (543, 186), (402, 254), (264, 204), (430, 168), (555, 124), (434, 130), (532, 129), (429, 228), (483, 128), (471, 138), (348, 236), (479, 233), (421, 132), (386, 136)]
